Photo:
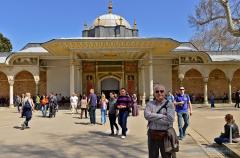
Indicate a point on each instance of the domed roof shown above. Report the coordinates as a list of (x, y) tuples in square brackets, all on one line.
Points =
[(111, 20)]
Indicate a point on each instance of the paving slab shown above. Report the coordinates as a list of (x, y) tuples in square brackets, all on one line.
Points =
[(67, 136)]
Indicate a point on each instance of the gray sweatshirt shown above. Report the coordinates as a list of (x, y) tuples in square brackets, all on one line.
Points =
[(162, 120)]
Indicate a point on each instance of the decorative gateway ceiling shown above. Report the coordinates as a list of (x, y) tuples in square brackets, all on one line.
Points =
[(110, 48)]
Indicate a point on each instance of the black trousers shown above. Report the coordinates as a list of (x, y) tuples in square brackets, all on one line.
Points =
[(85, 111), (112, 120), (237, 103), (154, 146)]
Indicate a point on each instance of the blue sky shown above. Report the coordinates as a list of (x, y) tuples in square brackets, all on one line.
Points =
[(24, 21)]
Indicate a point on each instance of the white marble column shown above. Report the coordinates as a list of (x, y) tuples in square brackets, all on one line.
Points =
[(139, 86), (37, 79), (11, 83), (72, 90), (205, 81), (143, 87), (37, 88), (80, 78), (229, 91), (150, 62)]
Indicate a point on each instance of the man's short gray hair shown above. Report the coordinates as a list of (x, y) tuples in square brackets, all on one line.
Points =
[(159, 86)]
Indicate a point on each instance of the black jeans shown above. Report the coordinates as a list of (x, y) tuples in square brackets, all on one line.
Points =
[(85, 111), (237, 103), (92, 114), (112, 119), (154, 146)]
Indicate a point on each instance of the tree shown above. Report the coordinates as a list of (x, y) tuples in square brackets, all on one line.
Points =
[(5, 44), (217, 24)]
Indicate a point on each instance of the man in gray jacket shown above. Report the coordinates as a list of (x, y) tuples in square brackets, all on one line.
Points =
[(160, 115)]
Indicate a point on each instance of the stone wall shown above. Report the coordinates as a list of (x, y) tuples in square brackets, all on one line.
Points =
[(193, 83), (4, 86), (217, 83), (24, 82)]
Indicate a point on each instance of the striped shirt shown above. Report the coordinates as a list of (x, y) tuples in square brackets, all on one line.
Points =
[(123, 103), (164, 119)]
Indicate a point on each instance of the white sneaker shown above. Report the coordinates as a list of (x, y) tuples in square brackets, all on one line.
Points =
[(123, 137)]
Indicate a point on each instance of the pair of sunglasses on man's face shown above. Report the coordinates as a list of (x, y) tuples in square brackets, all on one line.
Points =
[(159, 91)]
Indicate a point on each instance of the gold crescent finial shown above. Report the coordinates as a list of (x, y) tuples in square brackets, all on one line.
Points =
[(135, 25), (110, 7)]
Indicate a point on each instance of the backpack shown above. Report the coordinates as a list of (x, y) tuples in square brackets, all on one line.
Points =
[(27, 106)]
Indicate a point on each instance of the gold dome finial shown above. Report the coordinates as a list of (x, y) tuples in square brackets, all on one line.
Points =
[(121, 21), (99, 21), (135, 25), (110, 7)]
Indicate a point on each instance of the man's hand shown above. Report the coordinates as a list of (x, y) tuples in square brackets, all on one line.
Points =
[(190, 113)]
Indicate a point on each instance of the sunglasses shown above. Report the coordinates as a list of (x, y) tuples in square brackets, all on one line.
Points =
[(182, 89), (161, 91)]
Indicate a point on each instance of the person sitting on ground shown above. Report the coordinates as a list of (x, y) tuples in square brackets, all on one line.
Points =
[(224, 137)]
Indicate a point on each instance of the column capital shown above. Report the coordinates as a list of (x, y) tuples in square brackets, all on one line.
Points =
[(181, 76), (205, 79), (229, 80), (10, 80), (11, 83), (72, 62), (36, 79)]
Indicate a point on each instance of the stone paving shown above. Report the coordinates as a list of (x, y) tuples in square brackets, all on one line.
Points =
[(67, 136)]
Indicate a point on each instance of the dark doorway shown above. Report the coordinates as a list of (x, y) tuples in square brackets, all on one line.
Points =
[(109, 85)]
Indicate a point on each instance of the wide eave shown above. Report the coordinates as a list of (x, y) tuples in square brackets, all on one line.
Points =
[(64, 47)]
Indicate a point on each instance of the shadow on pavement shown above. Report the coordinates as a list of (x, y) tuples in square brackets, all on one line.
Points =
[(82, 123), (94, 144), (17, 127)]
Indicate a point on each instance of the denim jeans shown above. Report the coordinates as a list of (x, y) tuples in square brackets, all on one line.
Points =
[(220, 140), (44, 110), (103, 116), (122, 121), (182, 116), (92, 114)]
